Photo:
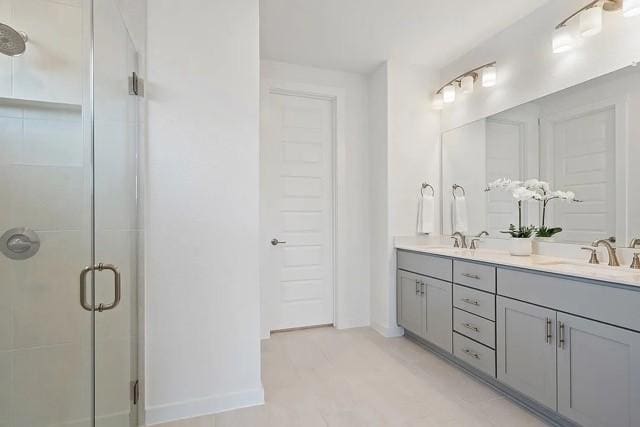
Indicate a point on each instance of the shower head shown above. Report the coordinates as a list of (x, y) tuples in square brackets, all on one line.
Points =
[(12, 42)]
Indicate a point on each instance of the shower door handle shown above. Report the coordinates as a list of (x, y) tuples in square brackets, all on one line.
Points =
[(116, 282)]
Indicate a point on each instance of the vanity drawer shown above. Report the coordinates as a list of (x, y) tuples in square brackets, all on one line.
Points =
[(428, 265), (476, 302), (476, 355), (477, 276), (475, 327)]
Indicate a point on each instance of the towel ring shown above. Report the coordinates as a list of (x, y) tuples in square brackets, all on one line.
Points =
[(454, 187), (426, 185)]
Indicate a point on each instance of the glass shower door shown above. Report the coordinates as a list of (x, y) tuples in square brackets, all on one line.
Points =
[(117, 224), (68, 199)]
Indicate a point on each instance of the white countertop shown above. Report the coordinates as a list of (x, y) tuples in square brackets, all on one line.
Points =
[(547, 264)]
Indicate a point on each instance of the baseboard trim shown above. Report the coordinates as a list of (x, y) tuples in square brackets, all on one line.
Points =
[(207, 406), (386, 332)]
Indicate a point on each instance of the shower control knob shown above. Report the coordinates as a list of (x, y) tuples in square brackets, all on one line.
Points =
[(276, 242), (19, 243)]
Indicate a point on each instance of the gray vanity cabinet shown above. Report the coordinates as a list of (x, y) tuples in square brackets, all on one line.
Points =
[(412, 311), (424, 308), (598, 373), (526, 345)]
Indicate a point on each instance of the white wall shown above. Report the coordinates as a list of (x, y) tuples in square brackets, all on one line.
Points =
[(203, 308), (527, 67), (378, 204), (352, 290), (405, 152)]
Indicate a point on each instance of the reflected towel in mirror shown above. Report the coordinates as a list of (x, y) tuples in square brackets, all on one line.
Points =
[(459, 218)]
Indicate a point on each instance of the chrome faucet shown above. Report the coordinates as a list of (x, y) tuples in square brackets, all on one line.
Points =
[(474, 243), (461, 240), (482, 233), (613, 257), (634, 243)]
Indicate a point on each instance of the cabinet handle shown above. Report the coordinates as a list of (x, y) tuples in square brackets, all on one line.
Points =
[(471, 276), (560, 334), (548, 331), (470, 301), (470, 326), (417, 287), (422, 285), (471, 353)]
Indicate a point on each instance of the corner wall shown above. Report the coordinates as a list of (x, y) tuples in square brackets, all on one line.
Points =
[(405, 152), (203, 307)]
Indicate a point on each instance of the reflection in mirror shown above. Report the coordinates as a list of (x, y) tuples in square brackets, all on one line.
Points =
[(582, 142)]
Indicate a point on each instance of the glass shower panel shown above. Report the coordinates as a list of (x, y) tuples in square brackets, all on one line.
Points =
[(45, 217), (117, 229)]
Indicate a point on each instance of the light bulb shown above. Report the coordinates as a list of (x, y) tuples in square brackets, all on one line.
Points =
[(591, 21), (489, 76), (449, 94), (562, 40), (631, 8), (466, 84), (437, 103)]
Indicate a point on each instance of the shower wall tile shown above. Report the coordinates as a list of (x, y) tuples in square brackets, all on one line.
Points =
[(53, 143), (7, 284), (45, 299), (10, 140), (6, 379), (54, 385), (113, 369), (51, 69)]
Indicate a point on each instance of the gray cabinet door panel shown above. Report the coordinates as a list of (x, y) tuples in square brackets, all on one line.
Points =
[(475, 354), (474, 301), (438, 300), (526, 355), (412, 313), (598, 374), (475, 327)]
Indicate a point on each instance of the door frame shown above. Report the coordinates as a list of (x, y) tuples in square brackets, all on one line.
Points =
[(336, 97)]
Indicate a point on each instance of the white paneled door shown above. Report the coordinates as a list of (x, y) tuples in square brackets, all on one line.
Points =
[(297, 210)]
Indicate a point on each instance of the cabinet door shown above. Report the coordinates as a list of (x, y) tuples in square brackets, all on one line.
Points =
[(439, 320), (411, 307), (526, 349), (598, 373)]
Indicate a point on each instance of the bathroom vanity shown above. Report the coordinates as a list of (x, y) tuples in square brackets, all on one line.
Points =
[(559, 336)]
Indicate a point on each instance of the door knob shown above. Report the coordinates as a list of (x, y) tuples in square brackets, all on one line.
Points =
[(276, 242)]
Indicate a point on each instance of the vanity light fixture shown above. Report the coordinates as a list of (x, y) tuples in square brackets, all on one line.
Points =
[(590, 17), (449, 94), (466, 82)]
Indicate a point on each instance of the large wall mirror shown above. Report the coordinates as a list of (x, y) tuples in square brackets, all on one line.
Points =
[(584, 142)]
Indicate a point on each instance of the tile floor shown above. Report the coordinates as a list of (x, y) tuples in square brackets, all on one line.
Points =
[(351, 378)]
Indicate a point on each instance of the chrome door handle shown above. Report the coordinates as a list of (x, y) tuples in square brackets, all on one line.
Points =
[(561, 341), (471, 276), (470, 326), (276, 242), (471, 353), (548, 332), (470, 301), (116, 282), (417, 287), (422, 285)]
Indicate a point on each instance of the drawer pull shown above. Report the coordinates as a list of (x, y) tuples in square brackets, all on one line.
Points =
[(549, 334), (470, 326), (471, 301), (471, 276), (471, 353)]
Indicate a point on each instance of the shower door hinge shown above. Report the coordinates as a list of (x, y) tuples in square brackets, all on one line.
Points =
[(136, 85), (135, 391)]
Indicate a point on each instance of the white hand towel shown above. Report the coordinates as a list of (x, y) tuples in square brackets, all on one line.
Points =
[(460, 221), (426, 214)]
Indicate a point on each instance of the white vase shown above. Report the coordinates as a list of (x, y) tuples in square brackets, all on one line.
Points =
[(520, 247), (551, 239)]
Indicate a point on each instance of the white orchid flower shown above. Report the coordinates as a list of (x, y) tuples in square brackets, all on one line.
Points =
[(523, 194)]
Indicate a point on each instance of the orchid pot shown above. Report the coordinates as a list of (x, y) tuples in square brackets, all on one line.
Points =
[(520, 247)]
